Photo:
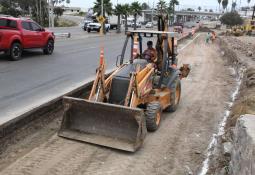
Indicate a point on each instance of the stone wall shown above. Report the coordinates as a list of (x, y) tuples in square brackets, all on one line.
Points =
[(243, 152)]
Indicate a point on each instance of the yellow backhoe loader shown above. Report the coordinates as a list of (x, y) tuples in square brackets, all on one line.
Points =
[(123, 106)]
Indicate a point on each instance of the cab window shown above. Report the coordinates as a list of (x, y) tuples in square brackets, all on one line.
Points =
[(8, 23), (35, 27), (26, 25)]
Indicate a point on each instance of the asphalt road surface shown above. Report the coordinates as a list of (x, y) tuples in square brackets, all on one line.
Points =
[(38, 78)]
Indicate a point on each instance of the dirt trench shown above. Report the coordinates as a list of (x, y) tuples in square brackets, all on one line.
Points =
[(179, 145)]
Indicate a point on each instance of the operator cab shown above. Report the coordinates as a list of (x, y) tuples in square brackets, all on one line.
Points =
[(165, 44)]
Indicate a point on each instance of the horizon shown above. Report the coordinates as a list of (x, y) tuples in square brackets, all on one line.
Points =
[(205, 4)]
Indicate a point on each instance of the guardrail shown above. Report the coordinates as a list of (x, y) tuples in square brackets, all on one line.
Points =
[(63, 35)]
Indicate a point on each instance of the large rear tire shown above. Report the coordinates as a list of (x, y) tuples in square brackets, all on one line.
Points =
[(15, 51), (153, 116), (175, 97)]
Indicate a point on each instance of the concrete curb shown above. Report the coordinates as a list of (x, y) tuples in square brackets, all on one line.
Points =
[(53, 105)]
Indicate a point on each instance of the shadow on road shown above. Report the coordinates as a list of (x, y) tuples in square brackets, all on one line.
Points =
[(27, 54)]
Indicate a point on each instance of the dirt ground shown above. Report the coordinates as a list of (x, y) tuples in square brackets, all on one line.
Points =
[(244, 49), (179, 146)]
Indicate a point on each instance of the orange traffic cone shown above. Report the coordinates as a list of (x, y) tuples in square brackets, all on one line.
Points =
[(102, 56), (135, 49)]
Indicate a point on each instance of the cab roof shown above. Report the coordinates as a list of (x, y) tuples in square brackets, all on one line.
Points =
[(15, 19)]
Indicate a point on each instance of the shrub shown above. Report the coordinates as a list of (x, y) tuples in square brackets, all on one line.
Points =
[(231, 19)]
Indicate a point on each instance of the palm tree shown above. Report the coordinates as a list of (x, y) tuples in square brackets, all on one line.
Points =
[(224, 4), (219, 2), (107, 9), (118, 11), (126, 12), (136, 9), (253, 13), (199, 8), (145, 6), (233, 6), (172, 5), (248, 1), (161, 7)]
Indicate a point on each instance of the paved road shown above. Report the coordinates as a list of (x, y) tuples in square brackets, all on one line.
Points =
[(37, 78)]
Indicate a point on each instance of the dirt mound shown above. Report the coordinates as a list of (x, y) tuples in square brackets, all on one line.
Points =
[(246, 102)]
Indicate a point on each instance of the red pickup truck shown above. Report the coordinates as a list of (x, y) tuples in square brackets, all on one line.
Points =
[(17, 34)]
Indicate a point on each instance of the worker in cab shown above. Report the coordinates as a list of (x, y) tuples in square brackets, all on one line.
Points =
[(150, 54)]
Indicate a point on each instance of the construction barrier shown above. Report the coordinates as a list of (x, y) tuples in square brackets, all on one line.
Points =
[(62, 35)]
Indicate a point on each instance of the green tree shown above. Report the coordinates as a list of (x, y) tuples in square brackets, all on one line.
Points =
[(145, 6), (118, 11), (9, 8), (249, 1), (190, 9), (219, 2), (68, 2), (199, 8), (126, 12), (106, 10), (162, 7), (231, 19), (58, 11), (136, 10), (233, 6), (37, 9), (224, 4), (246, 9), (172, 5)]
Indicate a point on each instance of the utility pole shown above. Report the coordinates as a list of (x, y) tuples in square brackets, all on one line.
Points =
[(102, 15), (253, 13), (102, 7), (51, 15), (152, 12)]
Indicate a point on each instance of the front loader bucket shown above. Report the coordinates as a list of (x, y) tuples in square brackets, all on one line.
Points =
[(103, 124)]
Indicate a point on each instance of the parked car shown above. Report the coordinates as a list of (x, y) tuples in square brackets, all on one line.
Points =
[(138, 25), (85, 25), (96, 27), (17, 34), (178, 24), (190, 24), (178, 29), (149, 25)]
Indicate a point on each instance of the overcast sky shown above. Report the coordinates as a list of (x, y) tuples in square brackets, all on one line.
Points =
[(183, 3)]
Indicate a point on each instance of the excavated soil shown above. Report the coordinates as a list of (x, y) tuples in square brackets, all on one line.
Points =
[(243, 49), (178, 147)]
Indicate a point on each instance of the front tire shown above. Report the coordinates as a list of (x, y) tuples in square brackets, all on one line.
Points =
[(175, 97), (15, 52), (153, 116), (49, 48)]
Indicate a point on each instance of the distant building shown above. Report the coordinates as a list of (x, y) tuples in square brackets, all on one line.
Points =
[(246, 11), (71, 10)]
